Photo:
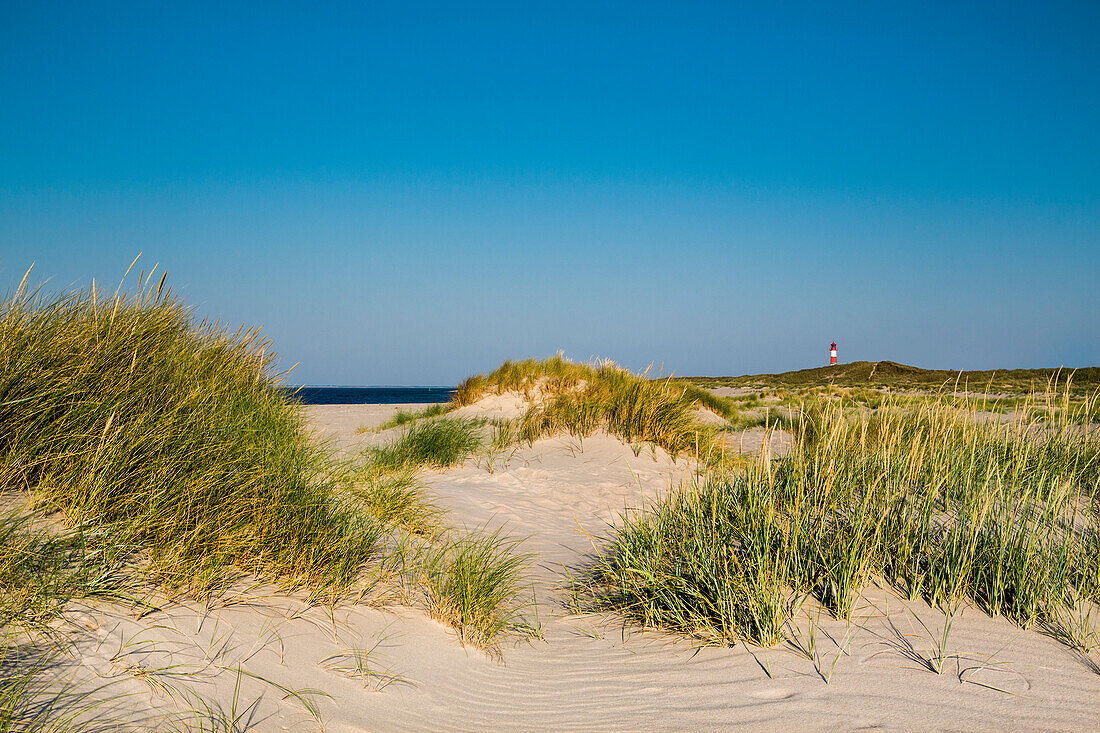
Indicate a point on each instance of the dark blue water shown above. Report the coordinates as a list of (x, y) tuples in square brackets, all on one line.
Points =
[(369, 395)]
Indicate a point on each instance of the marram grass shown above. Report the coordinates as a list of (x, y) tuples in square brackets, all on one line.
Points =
[(578, 399), (928, 498), (170, 449), (397, 498), (437, 443), (474, 579), (406, 417), (167, 438), (125, 411)]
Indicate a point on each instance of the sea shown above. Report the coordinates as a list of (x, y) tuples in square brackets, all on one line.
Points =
[(368, 395)]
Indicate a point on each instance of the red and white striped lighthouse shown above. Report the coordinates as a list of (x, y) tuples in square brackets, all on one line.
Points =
[(832, 353)]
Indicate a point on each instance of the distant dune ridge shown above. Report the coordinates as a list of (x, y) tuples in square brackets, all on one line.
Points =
[(893, 374)]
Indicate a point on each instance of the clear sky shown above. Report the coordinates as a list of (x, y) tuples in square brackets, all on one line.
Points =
[(406, 193)]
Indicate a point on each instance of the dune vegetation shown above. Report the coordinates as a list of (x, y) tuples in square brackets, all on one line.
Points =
[(892, 375), (924, 497), (563, 397), (407, 417), (124, 412), (470, 580), (167, 447), (573, 398), (145, 451), (436, 443)]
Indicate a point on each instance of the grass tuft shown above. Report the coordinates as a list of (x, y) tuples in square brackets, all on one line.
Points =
[(578, 399), (475, 579), (437, 443), (397, 498), (405, 417), (943, 506), (126, 412)]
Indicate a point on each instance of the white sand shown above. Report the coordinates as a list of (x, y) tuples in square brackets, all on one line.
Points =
[(590, 672), (507, 406)]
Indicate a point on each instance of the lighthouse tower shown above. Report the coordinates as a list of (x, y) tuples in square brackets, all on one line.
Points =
[(832, 353)]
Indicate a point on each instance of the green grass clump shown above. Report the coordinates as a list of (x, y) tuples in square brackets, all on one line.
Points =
[(438, 443), (124, 412), (397, 498), (627, 405), (581, 398), (405, 417), (697, 564), (469, 391), (474, 579), (556, 374), (926, 498), (720, 406)]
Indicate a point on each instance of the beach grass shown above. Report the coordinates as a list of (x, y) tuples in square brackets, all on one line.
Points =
[(475, 578), (925, 497), (626, 405), (169, 446), (397, 498), (436, 443), (405, 417), (578, 399), (556, 374), (124, 411)]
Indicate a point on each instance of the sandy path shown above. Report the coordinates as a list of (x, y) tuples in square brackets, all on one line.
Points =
[(589, 672)]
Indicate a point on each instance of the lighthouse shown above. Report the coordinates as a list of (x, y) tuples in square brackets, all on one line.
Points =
[(832, 353)]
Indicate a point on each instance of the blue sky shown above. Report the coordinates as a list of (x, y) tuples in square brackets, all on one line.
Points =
[(409, 193)]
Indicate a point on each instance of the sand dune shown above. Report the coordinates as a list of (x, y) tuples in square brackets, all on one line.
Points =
[(589, 672)]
